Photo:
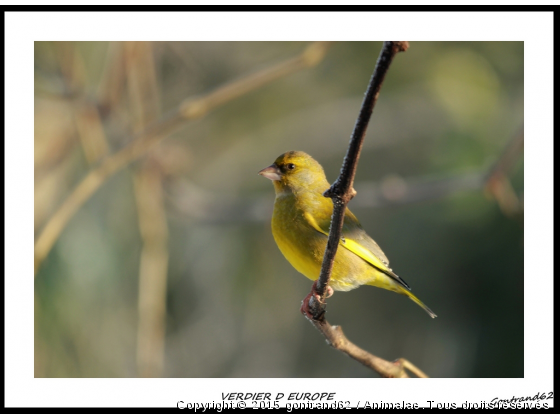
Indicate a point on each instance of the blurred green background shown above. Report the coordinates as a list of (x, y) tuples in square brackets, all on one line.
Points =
[(170, 269)]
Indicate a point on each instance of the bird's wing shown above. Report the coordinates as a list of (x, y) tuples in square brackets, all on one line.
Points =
[(352, 229), (356, 240)]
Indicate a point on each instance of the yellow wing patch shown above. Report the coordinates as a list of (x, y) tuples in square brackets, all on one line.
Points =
[(360, 251), (364, 254), (368, 256)]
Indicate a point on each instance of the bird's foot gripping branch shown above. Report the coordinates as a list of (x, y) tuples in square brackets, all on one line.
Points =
[(305, 306)]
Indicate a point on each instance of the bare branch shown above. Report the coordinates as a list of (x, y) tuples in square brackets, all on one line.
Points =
[(336, 338), (341, 192)]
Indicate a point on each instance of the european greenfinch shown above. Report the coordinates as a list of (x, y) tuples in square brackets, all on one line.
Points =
[(300, 226)]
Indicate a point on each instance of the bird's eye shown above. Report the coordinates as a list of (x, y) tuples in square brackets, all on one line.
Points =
[(290, 166)]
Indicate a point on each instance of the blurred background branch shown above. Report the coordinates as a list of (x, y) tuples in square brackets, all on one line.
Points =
[(497, 183), (152, 287), (190, 108), (152, 222), (186, 199)]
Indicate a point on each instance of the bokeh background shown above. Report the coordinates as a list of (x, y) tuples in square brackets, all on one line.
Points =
[(170, 268)]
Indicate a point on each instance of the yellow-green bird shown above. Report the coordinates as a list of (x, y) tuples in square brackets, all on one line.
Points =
[(300, 226)]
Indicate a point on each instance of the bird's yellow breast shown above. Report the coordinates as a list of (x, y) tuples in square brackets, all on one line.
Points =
[(303, 246), (299, 243)]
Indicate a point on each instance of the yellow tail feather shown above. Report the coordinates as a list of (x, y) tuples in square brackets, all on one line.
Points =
[(405, 292)]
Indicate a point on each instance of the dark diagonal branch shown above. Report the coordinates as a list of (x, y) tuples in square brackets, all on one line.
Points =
[(341, 192)]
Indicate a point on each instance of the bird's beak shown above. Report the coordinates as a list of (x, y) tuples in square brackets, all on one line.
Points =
[(271, 172)]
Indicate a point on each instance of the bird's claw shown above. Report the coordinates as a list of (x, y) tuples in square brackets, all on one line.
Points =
[(305, 310)]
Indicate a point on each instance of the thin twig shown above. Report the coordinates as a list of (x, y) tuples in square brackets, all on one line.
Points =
[(341, 192), (189, 109), (336, 338)]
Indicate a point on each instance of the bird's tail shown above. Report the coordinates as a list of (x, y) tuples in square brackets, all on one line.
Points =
[(405, 292)]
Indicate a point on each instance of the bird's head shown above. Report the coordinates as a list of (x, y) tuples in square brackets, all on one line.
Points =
[(296, 171)]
